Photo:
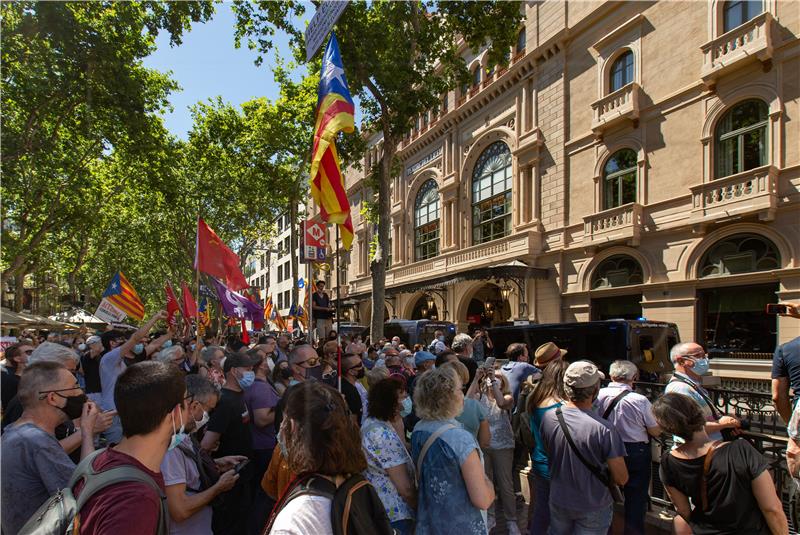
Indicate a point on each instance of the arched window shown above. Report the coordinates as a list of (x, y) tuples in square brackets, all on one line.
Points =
[(621, 72), (426, 221), (520, 42), (491, 194), (476, 76), (619, 179), (738, 12), (617, 270), (742, 253), (741, 138)]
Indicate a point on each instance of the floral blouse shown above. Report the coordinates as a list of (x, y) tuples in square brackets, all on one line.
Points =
[(444, 507), (502, 435), (384, 449)]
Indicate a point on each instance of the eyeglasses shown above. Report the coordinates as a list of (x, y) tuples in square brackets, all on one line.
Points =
[(43, 393), (697, 355), (356, 367), (313, 361)]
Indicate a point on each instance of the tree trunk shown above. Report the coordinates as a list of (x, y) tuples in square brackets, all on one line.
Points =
[(19, 290), (293, 253), (379, 260)]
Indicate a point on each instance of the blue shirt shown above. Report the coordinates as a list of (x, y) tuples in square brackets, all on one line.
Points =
[(472, 416), (111, 366), (516, 373), (786, 363)]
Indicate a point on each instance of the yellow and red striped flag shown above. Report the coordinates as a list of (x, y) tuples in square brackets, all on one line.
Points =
[(121, 294), (335, 113)]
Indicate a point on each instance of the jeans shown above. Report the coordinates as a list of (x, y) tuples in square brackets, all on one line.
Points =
[(540, 519), (498, 465), (638, 462), (580, 522)]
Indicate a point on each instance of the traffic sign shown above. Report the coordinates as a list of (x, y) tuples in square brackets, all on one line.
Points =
[(314, 242), (320, 26)]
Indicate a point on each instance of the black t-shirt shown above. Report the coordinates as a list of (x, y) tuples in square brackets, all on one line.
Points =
[(732, 508), (472, 368), (91, 373), (353, 399), (9, 382), (231, 420), (321, 301)]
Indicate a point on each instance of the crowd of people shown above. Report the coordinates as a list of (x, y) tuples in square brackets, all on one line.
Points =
[(292, 438)]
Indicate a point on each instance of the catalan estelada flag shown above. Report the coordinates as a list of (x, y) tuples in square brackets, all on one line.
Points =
[(335, 113), (121, 294)]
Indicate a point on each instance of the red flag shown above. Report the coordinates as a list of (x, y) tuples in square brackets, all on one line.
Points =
[(189, 305), (245, 336), (172, 304), (215, 258)]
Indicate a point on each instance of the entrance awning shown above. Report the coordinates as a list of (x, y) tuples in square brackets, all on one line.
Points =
[(516, 270)]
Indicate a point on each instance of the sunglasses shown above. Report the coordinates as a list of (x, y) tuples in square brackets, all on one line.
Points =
[(313, 361)]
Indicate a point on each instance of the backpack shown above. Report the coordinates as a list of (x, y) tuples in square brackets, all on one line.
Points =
[(356, 509), (520, 419), (60, 514)]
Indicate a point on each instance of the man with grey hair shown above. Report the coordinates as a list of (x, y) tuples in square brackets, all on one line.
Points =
[(575, 439), (173, 354), (462, 346), (52, 352), (631, 414)]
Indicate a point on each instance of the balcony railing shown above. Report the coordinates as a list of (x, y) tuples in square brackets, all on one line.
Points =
[(620, 106), (748, 42), (753, 191), (620, 223)]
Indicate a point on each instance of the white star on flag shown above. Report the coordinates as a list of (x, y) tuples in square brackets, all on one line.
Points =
[(332, 72)]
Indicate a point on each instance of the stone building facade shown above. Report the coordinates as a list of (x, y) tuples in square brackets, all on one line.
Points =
[(633, 159)]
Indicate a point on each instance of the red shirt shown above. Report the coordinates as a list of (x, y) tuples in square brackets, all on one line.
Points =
[(124, 508)]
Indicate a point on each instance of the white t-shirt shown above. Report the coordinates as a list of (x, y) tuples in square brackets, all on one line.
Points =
[(304, 515)]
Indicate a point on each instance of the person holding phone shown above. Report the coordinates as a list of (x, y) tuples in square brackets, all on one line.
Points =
[(785, 364)]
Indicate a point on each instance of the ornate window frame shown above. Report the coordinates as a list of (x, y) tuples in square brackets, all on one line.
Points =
[(429, 185), (604, 152), (626, 37), (716, 13)]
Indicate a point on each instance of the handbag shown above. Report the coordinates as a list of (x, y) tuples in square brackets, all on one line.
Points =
[(605, 479)]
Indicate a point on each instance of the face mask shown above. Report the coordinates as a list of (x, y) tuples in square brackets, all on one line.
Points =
[(74, 407), (441, 338), (191, 347), (701, 366), (361, 373), (314, 373), (407, 406), (177, 436), (167, 344), (201, 422), (286, 373), (82, 347), (138, 348), (247, 380)]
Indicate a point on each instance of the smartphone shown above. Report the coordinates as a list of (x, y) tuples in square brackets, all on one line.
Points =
[(489, 364), (239, 467), (775, 308)]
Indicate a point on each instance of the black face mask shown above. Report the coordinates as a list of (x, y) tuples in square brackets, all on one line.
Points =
[(286, 373), (361, 373), (314, 373), (74, 407)]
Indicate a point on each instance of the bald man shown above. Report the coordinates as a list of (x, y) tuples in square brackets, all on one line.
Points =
[(352, 371)]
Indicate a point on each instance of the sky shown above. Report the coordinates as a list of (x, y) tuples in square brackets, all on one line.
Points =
[(207, 64)]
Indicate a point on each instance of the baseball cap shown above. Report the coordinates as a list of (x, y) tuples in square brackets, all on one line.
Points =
[(582, 374), (94, 339), (423, 356), (547, 352), (239, 360)]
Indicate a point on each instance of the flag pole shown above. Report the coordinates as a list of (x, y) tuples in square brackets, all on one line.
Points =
[(338, 321)]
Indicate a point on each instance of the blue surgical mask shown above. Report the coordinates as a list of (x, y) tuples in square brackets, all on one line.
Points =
[(167, 344), (192, 347), (441, 338), (177, 436), (247, 380), (138, 348), (407, 407), (701, 366)]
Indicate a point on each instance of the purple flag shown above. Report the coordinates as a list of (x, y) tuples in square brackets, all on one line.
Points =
[(237, 305)]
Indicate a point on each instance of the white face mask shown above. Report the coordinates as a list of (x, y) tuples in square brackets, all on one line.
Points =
[(201, 422)]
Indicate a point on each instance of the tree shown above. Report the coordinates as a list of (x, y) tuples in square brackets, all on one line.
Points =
[(399, 59), (74, 90)]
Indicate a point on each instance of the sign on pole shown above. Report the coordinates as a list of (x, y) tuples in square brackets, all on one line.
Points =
[(108, 312), (320, 26), (314, 242)]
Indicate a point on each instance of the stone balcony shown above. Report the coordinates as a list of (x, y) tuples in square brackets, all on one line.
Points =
[(748, 193), (744, 44), (623, 223), (616, 108)]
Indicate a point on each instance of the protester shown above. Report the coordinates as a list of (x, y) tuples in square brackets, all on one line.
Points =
[(492, 392), (228, 433), (453, 488), (786, 369), (631, 414), (482, 345), (304, 362), (691, 362), (728, 483), (462, 346), (437, 345), (352, 371), (152, 404), (34, 465), (474, 415), (548, 395), (261, 400), (269, 345), (90, 364), (517, 369), (16, 357), (213, 357), (321, 311), (390, 468), (546, 353), (188, 498), (330, 361), (424, 362), (598, 444), (376, 375), (281, 377), (283, 348)]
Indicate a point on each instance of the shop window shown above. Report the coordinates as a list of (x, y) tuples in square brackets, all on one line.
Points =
[(426, 221), (741, 138), (732, 320), (621, 72), (615, 271), (743, 253), (619, 179), (738, 12), (491, 194)]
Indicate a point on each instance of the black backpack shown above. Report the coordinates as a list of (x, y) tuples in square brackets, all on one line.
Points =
[(59, 514), (356, 509)]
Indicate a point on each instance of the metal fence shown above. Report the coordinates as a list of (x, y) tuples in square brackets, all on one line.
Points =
[(767, 433)]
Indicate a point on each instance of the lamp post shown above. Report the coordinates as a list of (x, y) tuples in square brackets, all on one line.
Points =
[(429, 300)]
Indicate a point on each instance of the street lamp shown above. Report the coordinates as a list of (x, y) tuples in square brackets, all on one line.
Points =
[(429, 301), (424, 312), (505, 291)]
